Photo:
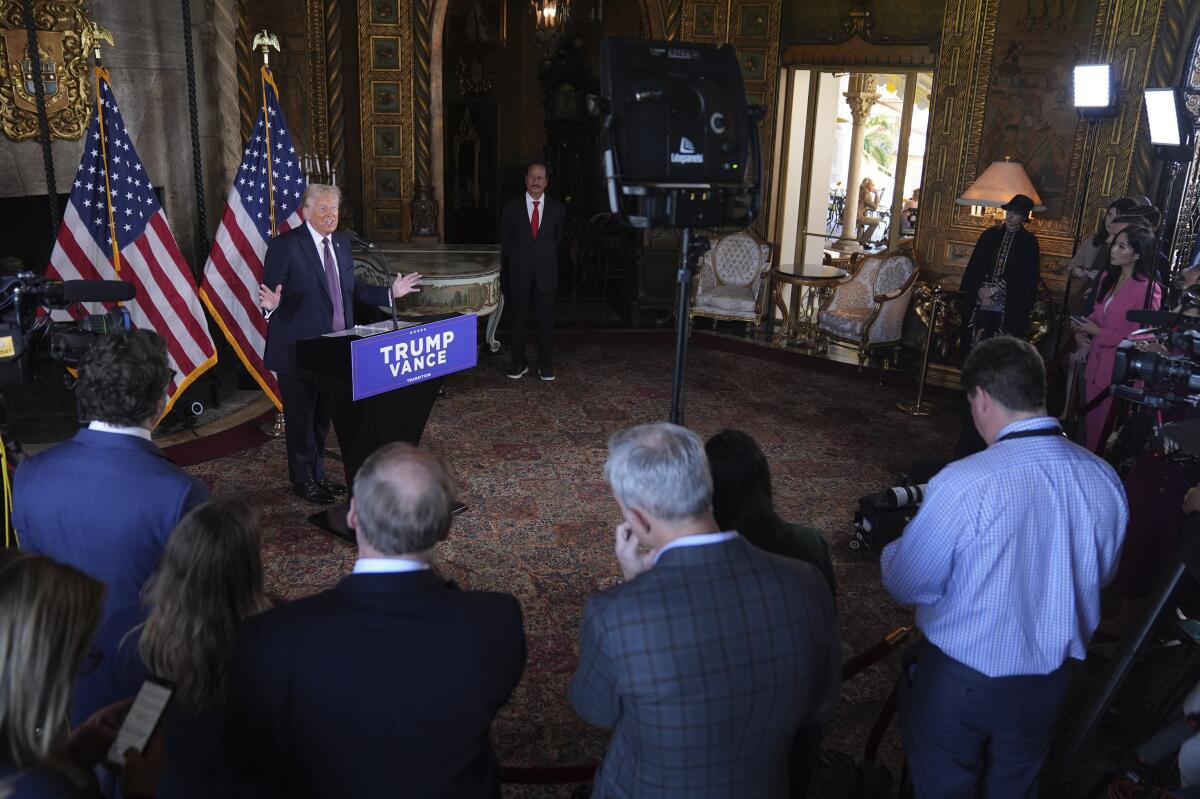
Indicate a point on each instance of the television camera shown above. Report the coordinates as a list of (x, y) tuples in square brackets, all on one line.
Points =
[(28, 335), (681, 150)]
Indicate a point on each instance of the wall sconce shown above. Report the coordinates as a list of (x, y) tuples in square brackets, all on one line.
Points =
[(998, 184), (549, 19), (1095, 90)]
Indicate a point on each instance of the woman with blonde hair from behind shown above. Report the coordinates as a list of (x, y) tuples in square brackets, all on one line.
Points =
[(48, 616), (209, 579)]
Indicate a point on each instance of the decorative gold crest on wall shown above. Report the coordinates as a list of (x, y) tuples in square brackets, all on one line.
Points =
[(64, 65)]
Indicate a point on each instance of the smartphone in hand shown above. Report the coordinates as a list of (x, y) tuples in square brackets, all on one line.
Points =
[(142, 719)]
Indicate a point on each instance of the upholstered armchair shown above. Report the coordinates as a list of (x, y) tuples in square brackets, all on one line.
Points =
[(731, 283), (866, 311)]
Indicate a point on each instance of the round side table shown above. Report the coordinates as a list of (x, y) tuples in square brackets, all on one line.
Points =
[(813, 277)]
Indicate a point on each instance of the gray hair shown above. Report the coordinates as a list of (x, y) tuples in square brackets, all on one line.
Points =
[(660, 469), (403, 496), (315, 189)]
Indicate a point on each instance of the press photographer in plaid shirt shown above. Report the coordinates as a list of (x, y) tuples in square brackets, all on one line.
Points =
[(712, 653), (1004, 563)]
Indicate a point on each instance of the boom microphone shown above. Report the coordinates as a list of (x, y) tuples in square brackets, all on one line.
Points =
[(1153, 318), (61, 293)]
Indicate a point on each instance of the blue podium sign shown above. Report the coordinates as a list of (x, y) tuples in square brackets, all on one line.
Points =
[(411, 355)]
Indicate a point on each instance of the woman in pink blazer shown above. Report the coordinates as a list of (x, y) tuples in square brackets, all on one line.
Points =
[(1132, 258)]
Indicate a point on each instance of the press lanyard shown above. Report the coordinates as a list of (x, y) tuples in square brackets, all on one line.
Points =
[(1040, 431)]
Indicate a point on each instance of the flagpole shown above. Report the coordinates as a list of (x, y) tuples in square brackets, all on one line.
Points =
[(265, 41), (112, 225)]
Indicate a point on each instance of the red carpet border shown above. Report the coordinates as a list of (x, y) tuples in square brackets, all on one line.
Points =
[(529, 458)]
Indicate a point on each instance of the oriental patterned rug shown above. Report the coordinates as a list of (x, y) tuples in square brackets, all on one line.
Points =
[(529, 458)]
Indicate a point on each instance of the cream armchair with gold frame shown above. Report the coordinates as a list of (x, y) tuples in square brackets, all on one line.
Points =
[(866, 310), (731, 280)]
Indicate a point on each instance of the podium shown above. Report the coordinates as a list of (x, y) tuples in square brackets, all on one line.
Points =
[(396, 409)]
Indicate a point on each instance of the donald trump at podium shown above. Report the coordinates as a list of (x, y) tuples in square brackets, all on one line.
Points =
[(308, 289)]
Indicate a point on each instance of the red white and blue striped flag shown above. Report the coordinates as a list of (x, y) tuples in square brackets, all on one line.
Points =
[(114, 228), (269, 168)]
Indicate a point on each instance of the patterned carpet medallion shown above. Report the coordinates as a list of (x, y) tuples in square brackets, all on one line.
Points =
[(529, 458)]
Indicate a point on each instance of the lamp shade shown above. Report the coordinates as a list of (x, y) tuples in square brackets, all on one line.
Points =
[(998, 184)]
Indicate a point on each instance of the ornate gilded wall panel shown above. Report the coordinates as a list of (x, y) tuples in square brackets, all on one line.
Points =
[(970, 69), (752, 27), (1186, 229), (64, 61), (314, 43), (386, 102)]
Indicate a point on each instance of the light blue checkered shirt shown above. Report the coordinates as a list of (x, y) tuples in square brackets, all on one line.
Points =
[(1006, 557)]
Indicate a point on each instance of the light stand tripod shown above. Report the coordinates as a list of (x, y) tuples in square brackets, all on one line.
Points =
[(690, 250)]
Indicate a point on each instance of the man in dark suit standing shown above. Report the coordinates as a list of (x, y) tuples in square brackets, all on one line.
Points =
[(312, 271), (106, 500), (386, 684), (531, 231), (712, 654)]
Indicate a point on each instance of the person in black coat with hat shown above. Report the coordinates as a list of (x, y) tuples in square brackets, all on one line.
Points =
[(999, 285), (999, 288)]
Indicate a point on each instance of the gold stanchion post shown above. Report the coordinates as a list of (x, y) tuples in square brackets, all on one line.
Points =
[(921, 408)]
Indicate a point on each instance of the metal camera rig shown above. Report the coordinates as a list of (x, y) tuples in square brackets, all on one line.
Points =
[(681, 150)]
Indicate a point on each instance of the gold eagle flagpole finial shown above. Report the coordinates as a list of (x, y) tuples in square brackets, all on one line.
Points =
[(265, 41), (92, 35)]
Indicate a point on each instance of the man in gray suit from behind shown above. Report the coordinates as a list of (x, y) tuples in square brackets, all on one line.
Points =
[(711, 654)]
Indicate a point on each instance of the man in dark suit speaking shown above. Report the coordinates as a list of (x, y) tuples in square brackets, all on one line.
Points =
[(531, 230), (386, 684), (312, 272), (712, 654)]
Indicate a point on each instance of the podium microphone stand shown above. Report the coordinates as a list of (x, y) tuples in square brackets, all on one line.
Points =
[(921, 408)]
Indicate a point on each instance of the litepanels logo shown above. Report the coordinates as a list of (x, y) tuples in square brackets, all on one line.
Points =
[(687, 153)]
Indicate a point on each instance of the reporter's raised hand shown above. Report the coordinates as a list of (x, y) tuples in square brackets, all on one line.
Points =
[(143, 770)]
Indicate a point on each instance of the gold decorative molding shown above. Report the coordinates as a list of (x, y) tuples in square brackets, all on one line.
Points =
[(1186, 227), (61, 26), (385, 84), (1122, 33)]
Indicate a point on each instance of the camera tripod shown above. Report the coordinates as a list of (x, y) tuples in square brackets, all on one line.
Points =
[(1122, 664)]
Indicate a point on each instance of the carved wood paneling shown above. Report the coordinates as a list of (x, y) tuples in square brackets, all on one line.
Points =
[(385, 88)]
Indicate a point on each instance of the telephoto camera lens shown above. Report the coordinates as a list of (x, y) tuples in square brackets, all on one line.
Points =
[(903, 496)]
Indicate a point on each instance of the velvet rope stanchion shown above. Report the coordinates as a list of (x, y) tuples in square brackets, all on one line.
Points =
[(917, 409)]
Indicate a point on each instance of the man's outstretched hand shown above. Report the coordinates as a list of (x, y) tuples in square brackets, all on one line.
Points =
[(268, 300), (405, 284)]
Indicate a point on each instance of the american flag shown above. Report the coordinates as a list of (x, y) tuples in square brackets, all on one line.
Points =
[(112, 195), (235, 264)]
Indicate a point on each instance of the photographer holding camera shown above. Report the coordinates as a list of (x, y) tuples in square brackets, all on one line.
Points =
[(1004, 563), (105, 500)]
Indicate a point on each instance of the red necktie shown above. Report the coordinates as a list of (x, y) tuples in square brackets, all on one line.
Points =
[(533, 220)]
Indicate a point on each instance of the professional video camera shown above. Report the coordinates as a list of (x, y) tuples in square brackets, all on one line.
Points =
[(682, 145), (26, 336)]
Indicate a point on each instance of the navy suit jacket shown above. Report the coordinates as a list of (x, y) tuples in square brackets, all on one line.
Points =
[(305, 310), (105, 504), (384, 685), (705, 666), (527, 259)]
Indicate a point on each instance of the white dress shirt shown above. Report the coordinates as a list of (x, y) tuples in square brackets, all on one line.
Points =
[(541, 201), (697, 540), (121, 430), (388, 565)]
